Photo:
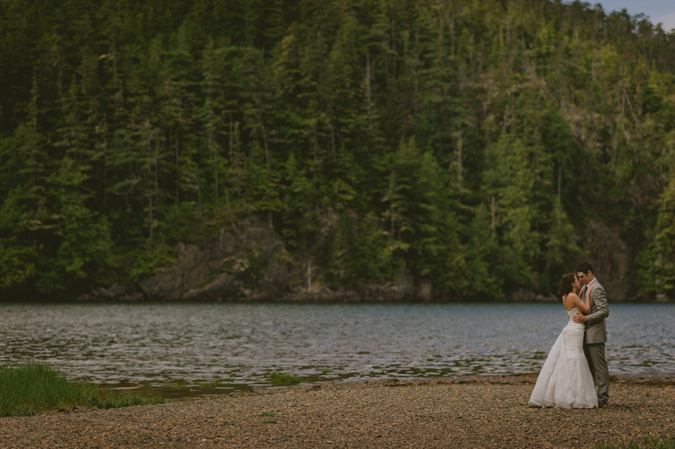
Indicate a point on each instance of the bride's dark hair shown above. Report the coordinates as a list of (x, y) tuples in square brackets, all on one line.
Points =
[(566, 282)]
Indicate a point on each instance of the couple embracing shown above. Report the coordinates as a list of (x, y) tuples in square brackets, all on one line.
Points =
[(576, 363)]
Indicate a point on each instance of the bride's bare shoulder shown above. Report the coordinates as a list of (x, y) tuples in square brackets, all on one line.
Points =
[(569, 300)]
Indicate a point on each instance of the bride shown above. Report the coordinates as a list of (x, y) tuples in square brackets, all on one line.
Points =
[(565, 379)]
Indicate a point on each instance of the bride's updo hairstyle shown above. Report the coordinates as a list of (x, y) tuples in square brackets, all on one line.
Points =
[(566, 282)]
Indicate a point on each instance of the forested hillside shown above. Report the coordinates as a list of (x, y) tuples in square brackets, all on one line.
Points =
[(467, 143)]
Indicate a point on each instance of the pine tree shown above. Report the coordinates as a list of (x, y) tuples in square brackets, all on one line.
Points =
[(658, 259), (509, 183), (482, 252)]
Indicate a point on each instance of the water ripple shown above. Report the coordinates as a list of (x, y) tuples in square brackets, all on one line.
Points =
[(243, 344)]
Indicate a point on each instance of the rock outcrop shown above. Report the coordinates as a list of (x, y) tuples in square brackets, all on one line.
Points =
[(251, 263), (611, 259), (218, 270)]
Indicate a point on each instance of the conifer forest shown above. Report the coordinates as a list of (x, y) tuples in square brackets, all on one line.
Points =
[(468, 143)]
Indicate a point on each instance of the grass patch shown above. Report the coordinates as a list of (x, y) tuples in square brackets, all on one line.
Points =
[(278, 379), (268, 415), (647, 443), (31, 388)]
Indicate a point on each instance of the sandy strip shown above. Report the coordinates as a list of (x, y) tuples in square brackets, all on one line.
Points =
[(469, 413)]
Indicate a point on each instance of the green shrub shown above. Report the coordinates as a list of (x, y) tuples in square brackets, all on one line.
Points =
[(284, 379), (31, 388)]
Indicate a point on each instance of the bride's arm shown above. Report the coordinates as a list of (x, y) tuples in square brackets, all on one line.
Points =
[(584, 307)]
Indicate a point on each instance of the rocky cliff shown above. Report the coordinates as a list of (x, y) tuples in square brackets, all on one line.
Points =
[(251, 263)]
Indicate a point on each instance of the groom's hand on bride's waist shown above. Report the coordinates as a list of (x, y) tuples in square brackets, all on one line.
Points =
[(579, 318)]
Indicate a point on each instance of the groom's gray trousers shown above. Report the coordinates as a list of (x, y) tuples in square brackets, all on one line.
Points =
[(596, 336), (595, 354)]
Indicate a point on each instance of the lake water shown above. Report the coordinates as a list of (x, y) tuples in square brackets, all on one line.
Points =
[(238, 346)]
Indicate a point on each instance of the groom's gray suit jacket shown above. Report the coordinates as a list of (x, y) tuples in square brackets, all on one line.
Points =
[(596, 330)]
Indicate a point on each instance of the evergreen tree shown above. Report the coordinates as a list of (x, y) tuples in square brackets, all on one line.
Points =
[(658, 259), (477, 139), (509, 184), (482, 253)]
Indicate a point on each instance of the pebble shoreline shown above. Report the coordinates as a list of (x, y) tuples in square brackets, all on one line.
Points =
[(440, 413)]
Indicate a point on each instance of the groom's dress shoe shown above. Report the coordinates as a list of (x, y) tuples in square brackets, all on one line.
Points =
[(602, 404)]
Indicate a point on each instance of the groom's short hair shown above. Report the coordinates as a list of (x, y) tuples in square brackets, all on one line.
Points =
[(585, 268)]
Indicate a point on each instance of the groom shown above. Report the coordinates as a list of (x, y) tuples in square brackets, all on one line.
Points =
[(596, 331)]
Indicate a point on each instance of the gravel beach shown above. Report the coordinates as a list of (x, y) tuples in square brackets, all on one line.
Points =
[(444, 413)]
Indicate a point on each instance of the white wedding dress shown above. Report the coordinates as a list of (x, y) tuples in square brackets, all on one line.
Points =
[(565, 379)]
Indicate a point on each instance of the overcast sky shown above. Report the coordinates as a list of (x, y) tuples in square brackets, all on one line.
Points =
[(658, 11)]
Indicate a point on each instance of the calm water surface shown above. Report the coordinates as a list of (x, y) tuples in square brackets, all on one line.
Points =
[(239, 346)]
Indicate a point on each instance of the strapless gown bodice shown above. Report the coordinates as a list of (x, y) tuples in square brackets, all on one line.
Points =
[(565, 379), (571, 313), (571, 323)]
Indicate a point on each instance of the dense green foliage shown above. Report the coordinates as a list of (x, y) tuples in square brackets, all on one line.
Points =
[(465, 142), (31, 388)]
